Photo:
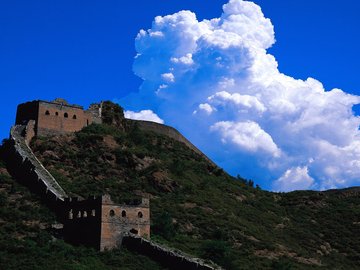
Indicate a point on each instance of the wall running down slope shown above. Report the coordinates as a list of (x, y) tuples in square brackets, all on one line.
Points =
[(171, 133), (170, 258), (26, 167)]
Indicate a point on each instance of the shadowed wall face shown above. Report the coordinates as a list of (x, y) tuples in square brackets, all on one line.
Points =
[(27, 111), (82, 221)]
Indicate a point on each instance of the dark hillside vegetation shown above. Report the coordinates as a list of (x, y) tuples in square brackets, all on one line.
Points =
[(200, 209), (195, 207), (27, 238)]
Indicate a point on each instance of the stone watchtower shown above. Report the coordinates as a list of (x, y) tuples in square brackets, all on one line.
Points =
[(57, 116), (100, 223)]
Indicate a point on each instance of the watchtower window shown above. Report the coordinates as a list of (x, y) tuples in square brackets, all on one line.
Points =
[(134, 231), (140, 215), (112, 213), (123, 213), (47, 113), (70, 214), (56, 113), (66, 115), (74, 116)]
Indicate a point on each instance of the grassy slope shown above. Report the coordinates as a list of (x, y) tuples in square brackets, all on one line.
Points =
[(201, 210)]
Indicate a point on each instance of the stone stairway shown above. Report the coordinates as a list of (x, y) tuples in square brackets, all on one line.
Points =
[(22, 149)]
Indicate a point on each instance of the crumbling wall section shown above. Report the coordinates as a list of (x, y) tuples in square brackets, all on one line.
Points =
[(95, 113)]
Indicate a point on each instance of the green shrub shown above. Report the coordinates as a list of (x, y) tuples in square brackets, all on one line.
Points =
[(163, 225)]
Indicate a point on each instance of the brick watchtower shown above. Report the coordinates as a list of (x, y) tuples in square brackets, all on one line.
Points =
[(57, 116)]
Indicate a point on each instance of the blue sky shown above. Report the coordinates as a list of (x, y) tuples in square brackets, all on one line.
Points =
[(84, 51)]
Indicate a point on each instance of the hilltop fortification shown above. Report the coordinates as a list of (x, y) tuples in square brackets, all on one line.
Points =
[(60, 117), (57, 116), (96, 221)]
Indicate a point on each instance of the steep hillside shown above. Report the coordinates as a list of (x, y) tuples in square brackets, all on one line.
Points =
[(27, 230), (201, 210)]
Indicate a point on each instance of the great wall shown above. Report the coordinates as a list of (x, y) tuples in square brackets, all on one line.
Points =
[(96, 221)]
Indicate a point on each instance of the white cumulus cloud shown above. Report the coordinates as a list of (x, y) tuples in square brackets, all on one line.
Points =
[(168, 77), (215, 81), (247, 135), (294, 179), (147, 115), (224, 98)]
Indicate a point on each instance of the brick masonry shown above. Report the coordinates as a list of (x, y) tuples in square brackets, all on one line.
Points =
[(57, 116)]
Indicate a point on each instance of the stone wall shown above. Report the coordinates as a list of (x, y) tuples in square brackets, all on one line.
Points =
[(172, 133), (170, 258), (95, 112), (29, 131), (24, 166)]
